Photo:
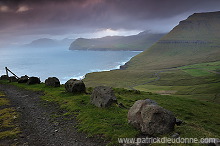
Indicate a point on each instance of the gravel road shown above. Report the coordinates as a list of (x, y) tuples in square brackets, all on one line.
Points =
[(42, 123)]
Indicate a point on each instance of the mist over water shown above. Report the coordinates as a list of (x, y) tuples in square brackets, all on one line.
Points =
[(60, 62)]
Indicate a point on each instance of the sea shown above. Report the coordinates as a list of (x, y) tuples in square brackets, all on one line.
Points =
[(60, 62)]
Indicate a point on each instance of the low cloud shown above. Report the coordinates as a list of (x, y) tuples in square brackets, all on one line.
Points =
[(4, 9), (22, 9)]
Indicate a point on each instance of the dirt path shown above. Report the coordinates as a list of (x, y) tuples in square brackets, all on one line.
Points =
[(43, 123)]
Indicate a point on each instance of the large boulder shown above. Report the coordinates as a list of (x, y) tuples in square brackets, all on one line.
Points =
[(103, 96), (12, 79), (75, 86), (52, 81), (23, 79), (33, 80), (4, 77), (150, 118)]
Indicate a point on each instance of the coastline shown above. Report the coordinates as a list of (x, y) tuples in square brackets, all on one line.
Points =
[(71, 63), (106, 49)]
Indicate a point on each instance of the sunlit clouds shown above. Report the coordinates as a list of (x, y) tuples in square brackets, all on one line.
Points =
[(4, 9), (22, 9), (18, 9)]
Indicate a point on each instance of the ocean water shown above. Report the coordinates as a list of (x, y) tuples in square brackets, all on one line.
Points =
[(60, 62)]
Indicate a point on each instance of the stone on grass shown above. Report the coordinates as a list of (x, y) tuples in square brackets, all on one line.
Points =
[(175, 135), (52, 81), (103, 96), (4, 77), (150, 118), (33, 80), (12, 79), (23, 79), (179, 122), (75, 86)]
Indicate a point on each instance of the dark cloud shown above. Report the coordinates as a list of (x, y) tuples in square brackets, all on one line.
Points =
[(19, 17)]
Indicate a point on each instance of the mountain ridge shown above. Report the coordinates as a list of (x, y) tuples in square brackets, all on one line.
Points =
[(137, 42)]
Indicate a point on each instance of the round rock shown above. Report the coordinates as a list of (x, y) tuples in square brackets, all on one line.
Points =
[(33, 80), (52, 81), (150, 118), (23, 79), (75, 86)]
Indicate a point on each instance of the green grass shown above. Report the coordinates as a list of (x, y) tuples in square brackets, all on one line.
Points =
[(202, 69), (8, 116), (193, 83), (193, 88), (201, 117), (184, 80), (3, 101)]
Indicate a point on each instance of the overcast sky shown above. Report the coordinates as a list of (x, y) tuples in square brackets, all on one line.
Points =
[(23, 20)]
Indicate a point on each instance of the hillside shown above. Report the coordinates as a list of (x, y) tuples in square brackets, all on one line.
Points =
[(138, 42), (194, 40)]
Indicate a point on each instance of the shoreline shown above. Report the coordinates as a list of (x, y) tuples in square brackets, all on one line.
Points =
[(105, 50)]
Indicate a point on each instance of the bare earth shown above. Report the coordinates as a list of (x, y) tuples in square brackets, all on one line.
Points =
[(42, 123)]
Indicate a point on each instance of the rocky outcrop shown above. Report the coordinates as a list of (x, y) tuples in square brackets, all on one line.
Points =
[(150, 118), (23, 79), (75, 86), (52, 81), (103, 96), (33, 80)]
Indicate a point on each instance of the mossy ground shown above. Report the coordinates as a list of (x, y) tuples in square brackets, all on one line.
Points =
[(8, 116)]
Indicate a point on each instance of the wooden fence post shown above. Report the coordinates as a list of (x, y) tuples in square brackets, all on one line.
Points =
[(8, 70)]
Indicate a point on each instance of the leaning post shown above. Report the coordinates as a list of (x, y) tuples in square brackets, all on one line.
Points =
[(6, 69)]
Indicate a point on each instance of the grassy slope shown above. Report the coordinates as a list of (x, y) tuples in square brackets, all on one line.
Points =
[(194, 40), (201, 118), (141, 41)]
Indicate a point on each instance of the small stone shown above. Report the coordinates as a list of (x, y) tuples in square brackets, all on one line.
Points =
[(121, 105), (175, 135), (178, 122)]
